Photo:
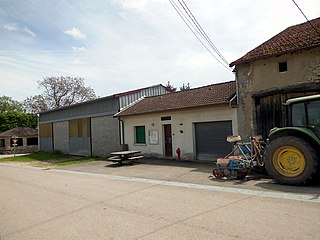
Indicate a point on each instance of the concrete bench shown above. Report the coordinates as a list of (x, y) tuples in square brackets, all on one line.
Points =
[(135, 157)]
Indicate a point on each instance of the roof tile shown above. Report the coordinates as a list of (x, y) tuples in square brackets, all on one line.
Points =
[(294, 38), (20, 132), (209, 95)]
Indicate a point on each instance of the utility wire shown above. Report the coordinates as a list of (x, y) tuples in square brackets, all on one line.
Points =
[(306, 17), (203, 33), (185, 19)]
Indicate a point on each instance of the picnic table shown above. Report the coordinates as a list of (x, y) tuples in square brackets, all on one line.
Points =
[(121, 156)]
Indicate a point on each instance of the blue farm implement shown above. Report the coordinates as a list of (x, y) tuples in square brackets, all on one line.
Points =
[(243, 157)]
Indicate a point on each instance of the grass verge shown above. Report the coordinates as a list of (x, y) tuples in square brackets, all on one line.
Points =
[(49, 159)]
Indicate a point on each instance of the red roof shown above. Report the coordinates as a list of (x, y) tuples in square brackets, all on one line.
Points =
[(20, 132), (204, 96), (294, 38)]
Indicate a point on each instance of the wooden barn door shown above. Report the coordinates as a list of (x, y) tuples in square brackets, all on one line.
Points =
[(270, 111)]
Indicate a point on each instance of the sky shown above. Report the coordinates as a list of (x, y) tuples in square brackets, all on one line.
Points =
[(121, 45)]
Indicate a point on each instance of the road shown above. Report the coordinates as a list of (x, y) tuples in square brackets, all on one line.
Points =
[(39, 203)]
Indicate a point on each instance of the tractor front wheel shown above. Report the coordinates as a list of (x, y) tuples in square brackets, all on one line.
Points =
[(291, 160)]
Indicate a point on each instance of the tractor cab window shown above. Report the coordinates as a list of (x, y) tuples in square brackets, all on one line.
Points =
[(314, 113), (298, 117)]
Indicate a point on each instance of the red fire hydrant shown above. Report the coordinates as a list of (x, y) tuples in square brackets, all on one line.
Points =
[(178, 151)]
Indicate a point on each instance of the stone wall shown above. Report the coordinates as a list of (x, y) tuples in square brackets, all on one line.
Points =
[(263, 75)]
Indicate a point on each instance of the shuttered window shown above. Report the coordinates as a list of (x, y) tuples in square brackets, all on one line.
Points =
[(45, 130), (140, 134), (79, 128)]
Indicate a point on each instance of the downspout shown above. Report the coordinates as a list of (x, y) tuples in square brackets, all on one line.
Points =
[(121, 131)]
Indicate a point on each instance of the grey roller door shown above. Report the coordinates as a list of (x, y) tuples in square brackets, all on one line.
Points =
[(211, 139)]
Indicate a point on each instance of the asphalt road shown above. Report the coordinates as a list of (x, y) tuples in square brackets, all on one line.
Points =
[(39, 203)]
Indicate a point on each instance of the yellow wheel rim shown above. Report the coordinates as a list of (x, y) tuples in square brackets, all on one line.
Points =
[(289, 161)]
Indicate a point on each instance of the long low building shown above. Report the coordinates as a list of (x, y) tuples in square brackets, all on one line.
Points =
[(89, 128)]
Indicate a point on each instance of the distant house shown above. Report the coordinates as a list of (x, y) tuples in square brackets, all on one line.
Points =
[(196, 121), (26, 139), (285, 66), (88, 128)]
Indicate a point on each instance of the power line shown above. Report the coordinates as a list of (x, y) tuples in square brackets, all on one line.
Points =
[(203, 33), (306, 17), (197, 29)]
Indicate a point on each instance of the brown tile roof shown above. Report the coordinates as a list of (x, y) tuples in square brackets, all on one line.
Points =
[(20, 132), (294, 38), (204, 96)]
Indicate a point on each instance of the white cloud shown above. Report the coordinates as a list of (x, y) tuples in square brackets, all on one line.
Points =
[(77, 62), (11, 26), (75, 33), (79, 49), (27, 30), (16, 27)]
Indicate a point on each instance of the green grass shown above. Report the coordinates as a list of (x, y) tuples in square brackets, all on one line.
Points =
[(50, 159)]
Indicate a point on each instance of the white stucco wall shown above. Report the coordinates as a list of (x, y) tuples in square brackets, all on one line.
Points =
[(180, 120)]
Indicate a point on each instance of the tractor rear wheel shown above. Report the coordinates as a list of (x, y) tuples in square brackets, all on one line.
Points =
[(291, 160)]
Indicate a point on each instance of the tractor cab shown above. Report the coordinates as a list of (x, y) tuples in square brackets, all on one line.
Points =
[(304, 112)]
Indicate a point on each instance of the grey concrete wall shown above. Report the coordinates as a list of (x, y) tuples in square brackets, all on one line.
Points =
[(105, 135), (61, 136), (262, 75), (46, 144), (80, 146)]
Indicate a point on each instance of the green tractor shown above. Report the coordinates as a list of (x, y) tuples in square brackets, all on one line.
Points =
[(293, 153)]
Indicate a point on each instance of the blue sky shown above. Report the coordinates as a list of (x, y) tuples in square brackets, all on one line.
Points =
[(120, 45)]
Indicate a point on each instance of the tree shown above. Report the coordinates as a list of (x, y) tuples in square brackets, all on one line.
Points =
[(59, 92), (8, 104), (170, 87), (12, 119), (185, 87)]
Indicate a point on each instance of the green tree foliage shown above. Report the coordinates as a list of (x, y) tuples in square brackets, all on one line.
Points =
[(12, 119), (12, 115), (59, 92), (8, 104)]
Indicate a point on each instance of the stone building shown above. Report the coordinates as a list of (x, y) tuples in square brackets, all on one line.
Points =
[(285, 66), (25, 138)]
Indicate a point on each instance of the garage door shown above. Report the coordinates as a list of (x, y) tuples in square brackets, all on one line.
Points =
[(211, 139)]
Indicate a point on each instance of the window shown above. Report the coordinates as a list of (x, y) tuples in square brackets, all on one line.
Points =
[(79, 128), (19, 142), (166, 118), (314, 113), (298, 115), (140, 134), (45, 130), (32, 141), (283, 66)]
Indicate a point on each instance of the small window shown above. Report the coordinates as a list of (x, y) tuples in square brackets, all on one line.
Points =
[(283, 66), (32, 141), (19, 142), (1, 142), (166, 118), (140, 134)]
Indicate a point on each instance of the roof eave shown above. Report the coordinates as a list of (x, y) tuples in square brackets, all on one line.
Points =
[(237, 62), (171, 110)]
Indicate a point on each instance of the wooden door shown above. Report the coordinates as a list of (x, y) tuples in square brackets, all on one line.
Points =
[(167, 140)]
